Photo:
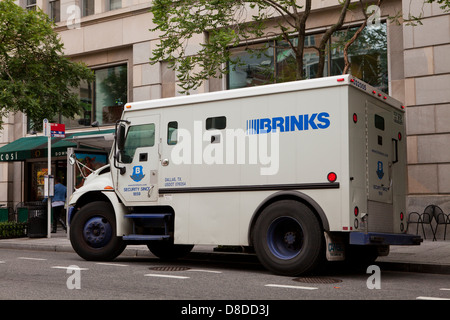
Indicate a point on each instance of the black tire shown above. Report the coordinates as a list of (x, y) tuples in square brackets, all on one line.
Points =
[(93, 232), (166, 250), (288, 238)]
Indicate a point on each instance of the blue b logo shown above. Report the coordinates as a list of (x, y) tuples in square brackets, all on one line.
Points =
[(137, 173), (380, 172)]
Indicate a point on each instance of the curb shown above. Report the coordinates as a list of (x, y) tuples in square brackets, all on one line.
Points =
[(414, 267), (66, 248), (37, 247)]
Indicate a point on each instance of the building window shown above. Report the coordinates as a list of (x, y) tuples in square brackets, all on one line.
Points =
[(254, 65), (271, 62), (54, 7), (274, 61), (31, 5), (84, 118), (368, 55), (285, 58), (87, 7), (111, 86), (102, 100), (114, 4)]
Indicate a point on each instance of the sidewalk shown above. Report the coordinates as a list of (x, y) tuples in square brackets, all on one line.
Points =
[(429, 257)]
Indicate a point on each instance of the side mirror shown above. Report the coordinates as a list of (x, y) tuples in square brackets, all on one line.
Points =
[(120, 143), (121, 137)]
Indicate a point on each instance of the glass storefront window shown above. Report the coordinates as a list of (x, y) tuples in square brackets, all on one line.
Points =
[(36, 171)]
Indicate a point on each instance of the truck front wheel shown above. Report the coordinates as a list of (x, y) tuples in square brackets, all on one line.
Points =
[(288, 239), (93, 232)]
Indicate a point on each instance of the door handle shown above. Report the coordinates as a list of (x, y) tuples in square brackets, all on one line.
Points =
[(150, 190), (395, 143), (215, 138)]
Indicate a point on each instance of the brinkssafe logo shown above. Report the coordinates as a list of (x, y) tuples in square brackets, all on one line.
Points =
[(301, 122)]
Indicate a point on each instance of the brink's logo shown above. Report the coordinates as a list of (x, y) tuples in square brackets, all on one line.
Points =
[(289, 123)]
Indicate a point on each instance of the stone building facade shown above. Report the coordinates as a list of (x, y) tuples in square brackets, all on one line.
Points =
[(427, 96)]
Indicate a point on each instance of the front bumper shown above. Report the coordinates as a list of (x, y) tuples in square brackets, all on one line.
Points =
[(70, 214)]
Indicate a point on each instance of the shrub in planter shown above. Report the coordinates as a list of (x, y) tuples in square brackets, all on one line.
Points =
[(12, 229)]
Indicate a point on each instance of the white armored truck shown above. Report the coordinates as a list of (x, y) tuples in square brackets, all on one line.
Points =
[(296, 171)]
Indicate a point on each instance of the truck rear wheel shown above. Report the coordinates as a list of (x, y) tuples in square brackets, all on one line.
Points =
[(288, 239), (93, 232)]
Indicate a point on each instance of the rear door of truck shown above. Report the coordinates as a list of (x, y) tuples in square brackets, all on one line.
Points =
[(381, 156)]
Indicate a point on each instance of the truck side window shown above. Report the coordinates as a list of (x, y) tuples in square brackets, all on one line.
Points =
[(137, 137), (218, 123), (172, 133), (379, 122)]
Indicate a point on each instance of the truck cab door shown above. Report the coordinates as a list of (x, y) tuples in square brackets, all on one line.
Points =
[(137, 160)]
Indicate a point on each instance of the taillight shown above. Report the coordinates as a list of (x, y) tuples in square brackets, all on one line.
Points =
[(356, 211), (332, 177)]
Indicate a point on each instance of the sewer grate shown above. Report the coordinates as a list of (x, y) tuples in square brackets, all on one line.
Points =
[(169, 268), (320, 280)]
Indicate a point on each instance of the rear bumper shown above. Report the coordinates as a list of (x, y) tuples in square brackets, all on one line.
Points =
[(376, 238)]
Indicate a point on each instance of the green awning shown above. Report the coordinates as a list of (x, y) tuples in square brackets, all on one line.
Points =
[(36, 147)]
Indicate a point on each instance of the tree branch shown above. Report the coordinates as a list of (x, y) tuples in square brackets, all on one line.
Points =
[(355, 36), (327, 35)]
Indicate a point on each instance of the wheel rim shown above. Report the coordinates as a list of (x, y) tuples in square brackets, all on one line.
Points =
[(285, 238), (97, 232)]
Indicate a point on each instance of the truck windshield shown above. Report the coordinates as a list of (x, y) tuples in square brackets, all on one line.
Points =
[(137, 137)]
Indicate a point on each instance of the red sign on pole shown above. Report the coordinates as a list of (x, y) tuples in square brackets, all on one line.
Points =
[(58, 130)]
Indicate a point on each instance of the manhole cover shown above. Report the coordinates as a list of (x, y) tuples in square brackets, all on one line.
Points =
[(321, 280), (169, 268)]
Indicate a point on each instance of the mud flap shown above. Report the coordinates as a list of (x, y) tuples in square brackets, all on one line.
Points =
[(335, 247), (383, 251)]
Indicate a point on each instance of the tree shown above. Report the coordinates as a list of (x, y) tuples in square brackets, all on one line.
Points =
[(229, 23), (35, 77)]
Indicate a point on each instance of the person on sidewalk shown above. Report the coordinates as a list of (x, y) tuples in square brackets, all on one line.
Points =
[(58, 203)]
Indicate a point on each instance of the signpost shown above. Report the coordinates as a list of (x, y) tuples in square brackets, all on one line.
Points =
[(51, 130)]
